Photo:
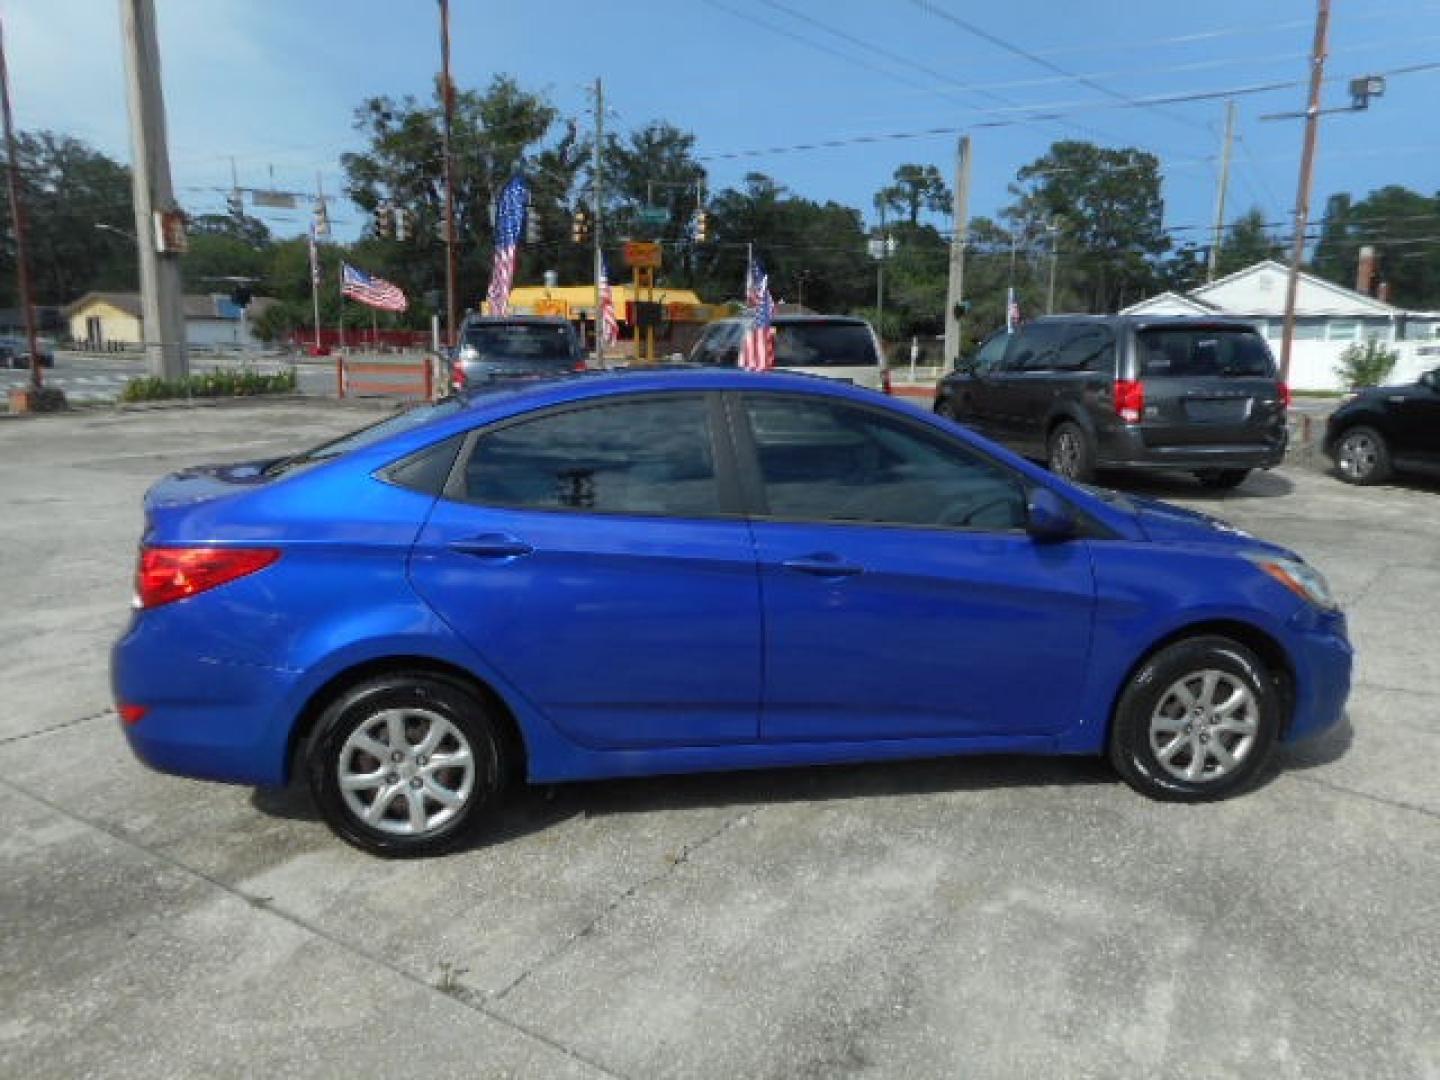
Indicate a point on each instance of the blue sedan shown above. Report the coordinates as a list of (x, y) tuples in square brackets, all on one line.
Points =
[(666, 572)]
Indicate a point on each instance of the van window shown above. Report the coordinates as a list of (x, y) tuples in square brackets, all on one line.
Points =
[(1222, 352), (819, 344), (1088, 348), (1036, 348)]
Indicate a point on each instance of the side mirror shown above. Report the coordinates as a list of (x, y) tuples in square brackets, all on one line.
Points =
[(1048, 518)]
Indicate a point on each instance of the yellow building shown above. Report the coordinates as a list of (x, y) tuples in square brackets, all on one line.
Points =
[(578, 302)]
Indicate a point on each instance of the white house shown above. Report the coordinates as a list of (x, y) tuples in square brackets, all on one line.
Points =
[(1328, 317), (100, 320)]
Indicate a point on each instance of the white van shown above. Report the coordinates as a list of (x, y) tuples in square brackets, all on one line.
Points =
[(835, 346)]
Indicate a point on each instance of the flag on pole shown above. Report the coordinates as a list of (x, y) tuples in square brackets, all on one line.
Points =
[(757, 351), (370, 290), (509, 228), (1012, 311), (609, 324)]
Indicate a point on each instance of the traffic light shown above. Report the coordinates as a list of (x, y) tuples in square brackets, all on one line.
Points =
[(580, 226), (961, 308), (385, 221), (241, 296), (700, 226)]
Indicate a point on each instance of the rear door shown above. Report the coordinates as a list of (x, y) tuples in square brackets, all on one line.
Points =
[(842, 349), (593, 557), (1208, 386)]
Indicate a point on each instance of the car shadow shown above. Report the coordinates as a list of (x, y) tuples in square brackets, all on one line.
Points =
[(1324, 749), (1165, 485)]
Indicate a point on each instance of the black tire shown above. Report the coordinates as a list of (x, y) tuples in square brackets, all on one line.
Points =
[(1362, 456), (946, 408), (425, 704), (1070, 453), (1222, 479), (1147, 715)]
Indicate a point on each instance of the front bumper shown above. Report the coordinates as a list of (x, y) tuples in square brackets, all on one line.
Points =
[(1323, 659)]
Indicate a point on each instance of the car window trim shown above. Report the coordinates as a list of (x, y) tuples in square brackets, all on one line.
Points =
[(753, 486), (721, 453)]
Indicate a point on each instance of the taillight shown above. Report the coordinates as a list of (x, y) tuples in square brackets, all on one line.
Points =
[(457, 377), (132, 714), (580, 365), (1129, 400), (1285, 395), (167, 574), (885, 387)]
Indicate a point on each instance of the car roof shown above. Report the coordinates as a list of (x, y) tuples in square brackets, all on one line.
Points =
[(1147, 322)]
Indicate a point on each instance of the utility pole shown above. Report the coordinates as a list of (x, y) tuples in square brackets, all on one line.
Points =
[(955, 292), (161, 302), (880, 280), (1218, 235), (1302, 197), (597, 223), (1053, 227), (17, 223), (447, 115)]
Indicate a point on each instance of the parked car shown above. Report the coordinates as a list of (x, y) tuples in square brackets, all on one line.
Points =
[(499, 349), (677, 571), (1084, 393), (834, 346), (1387, 429), (15, 352)]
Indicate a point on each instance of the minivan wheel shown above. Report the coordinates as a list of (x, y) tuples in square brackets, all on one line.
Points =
[(944, 407), (1222, 479), (1070, 454), (1362, 457), (1197, 721), (406, 764)]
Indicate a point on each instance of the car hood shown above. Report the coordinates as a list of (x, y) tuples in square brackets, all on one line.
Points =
[(1165, 523)]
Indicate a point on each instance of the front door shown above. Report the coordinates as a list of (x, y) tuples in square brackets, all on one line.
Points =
[(1417, 420), (586, 555), (902, 596)]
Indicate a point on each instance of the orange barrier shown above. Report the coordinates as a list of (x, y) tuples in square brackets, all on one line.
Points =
[(417, 379)]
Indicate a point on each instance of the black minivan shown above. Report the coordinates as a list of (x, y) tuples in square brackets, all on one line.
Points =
[(1088, 392)]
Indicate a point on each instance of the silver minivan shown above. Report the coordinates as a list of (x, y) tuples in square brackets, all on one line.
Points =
[(834, 346)]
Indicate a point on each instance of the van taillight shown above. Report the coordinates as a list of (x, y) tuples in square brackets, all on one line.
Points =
[(885, 387), (167, 574), (457, 377), (1285, 395), (1129, 400)]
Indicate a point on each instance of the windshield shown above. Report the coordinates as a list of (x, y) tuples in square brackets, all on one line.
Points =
[(824, 344), (391, 425), (530, 343), (1227, 353)]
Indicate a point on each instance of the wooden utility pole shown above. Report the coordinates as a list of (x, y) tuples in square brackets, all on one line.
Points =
[(17, 225), (447, 114), (161, 301), (1302, 197), (1217, 237), (955, 291), (597, 226)]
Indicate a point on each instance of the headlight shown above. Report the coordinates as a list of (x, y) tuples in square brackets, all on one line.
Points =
[(1300, 578)]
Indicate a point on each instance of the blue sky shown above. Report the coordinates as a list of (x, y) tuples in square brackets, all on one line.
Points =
[(274, 83)]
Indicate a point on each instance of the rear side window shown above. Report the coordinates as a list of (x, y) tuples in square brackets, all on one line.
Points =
[(1036, 348), (1192, 353), (1087, 348), (824, 344), (650, 456)]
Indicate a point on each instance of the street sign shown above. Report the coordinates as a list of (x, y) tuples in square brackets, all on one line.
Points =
[(652, 215), (642, 254), (549, 308)]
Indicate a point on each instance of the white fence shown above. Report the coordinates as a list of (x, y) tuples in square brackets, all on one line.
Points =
[(1313, 363)]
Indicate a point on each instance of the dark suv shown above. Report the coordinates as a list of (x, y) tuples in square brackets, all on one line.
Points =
[(1387, 429), (1116, 392), (497, 349)]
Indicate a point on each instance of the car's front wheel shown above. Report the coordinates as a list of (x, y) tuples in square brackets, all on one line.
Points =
[(406, 764), (1362, 456), (1196, 721)]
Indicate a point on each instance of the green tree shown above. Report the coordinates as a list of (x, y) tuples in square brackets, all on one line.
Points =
[(652, 166), (77, 203), (1107, 207), (1246, 242), (1401, 225), (915, 188)]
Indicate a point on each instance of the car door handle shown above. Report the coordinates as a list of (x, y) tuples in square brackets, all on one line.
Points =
[(822, 565), (492, 546)]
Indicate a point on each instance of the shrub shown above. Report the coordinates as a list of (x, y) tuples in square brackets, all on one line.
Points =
[(1367, 364), (209, 384)]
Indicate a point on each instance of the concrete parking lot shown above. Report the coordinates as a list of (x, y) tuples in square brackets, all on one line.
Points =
[(990, 917)]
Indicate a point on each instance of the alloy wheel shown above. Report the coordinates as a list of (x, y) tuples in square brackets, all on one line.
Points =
[(1358, 455), (406, 772), (1204, 726), (1065, 457)]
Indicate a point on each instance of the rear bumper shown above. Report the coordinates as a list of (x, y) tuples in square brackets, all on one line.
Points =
[(1125, 448)]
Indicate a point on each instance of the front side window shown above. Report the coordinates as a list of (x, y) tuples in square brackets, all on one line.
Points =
[(1035, 348), (1091, 348), (991, 353), (649, 456), (825, 461)]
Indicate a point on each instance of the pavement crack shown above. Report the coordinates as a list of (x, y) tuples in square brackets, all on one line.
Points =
[(266, 906), (61, 726), (672, 862), (1397, 804)]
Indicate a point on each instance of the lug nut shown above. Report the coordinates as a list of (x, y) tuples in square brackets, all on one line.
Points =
[(391, 778), (397, 757), (415, 782), (420, 762)]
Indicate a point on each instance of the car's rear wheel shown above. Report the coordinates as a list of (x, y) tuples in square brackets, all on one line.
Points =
[(1070, 453), (1222, 479), (406, 764), (1197, 721), (1362, 456)]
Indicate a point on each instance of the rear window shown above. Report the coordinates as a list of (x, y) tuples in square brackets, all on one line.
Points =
[(1183, 352), (534, 343), (822, 344), (366, 436)]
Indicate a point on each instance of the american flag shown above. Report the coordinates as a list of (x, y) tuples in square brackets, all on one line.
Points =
[(757, 352), (609, 324), (370, 290), (509, 227), (1012, 311)]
